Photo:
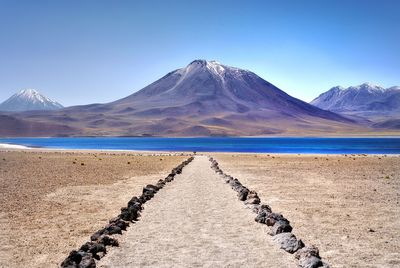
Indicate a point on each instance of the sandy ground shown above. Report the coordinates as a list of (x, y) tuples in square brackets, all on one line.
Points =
[(346, 205), (51, 202), (197, 221)]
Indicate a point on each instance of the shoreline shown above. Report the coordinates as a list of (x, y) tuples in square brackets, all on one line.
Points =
[(16, 147)]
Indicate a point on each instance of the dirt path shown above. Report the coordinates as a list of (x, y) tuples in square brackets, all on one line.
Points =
[(196, 221)]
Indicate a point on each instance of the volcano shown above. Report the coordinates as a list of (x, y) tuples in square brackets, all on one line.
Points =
[(205, 98)]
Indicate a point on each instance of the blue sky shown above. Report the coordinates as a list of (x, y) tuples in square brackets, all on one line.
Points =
[(80, 52)]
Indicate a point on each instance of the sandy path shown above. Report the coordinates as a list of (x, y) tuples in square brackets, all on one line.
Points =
[(196, 221)]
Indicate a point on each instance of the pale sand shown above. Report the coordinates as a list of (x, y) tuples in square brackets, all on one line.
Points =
[(331, 201), (197, 221), (51, 206)]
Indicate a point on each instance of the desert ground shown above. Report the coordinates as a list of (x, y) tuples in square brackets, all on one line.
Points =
[(51, 202), (347, 205)]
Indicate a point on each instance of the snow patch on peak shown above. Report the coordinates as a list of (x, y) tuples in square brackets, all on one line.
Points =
[(368, 86), (28, 91), (29, 99)]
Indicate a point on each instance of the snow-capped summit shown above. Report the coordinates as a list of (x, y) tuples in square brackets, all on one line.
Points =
[(366, 98), (27, 100)]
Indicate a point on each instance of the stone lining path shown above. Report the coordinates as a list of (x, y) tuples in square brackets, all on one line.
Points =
[(196, 221)]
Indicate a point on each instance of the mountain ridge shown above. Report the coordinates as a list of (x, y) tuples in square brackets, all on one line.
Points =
[(204, 98), (357, 98)]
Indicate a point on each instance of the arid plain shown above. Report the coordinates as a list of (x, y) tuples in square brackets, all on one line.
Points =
[(347, 205)]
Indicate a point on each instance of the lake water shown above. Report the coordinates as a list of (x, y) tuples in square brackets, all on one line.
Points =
[(222, 144)]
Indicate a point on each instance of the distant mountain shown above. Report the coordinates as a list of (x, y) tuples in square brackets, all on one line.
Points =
[(209, 88), (27, 100), (205, 98), (364, 100)]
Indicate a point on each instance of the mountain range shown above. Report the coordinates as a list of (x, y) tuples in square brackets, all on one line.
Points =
[(28, 100), (379, 105), (365, 99), (205, 98)]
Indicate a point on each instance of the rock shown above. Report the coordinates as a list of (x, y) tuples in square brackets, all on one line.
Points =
[(129, 214), (151, 187), (169, 178), (96, 235), (310, 262), (112, 228), (264, 208), (261, 217), (309, 257), (242, 194), (135, 203), (271, 218), (160, 184), (252, 194), (79, 259), (72, 261), (120, 223), (307, 252), (254, 200), (94, 248), (87, 260), (288, 242), (108, 241), (280, 226)]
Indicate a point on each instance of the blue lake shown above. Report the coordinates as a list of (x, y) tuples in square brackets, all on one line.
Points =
[(389, 145)]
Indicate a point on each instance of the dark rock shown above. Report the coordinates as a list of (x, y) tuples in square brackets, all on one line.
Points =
[(264, 208), (129, 214), (79, 259), (280, 226), (112, 228), (87, 260), (94, 248), (108, 241), (252, 194), (274, 217), (151, 187), (73, 259), (261, 217), (288, 242), (310, 262), (120, 223), (147, 195), (307, 252), (242, 194), (135, 203), (309, 257), (252, 198), (169, 178), (96, 235)]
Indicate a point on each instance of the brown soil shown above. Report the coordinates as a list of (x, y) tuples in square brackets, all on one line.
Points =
[(51, 202), (348, 206)]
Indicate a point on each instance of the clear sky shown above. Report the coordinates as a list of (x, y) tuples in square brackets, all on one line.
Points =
[(80, 52)]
